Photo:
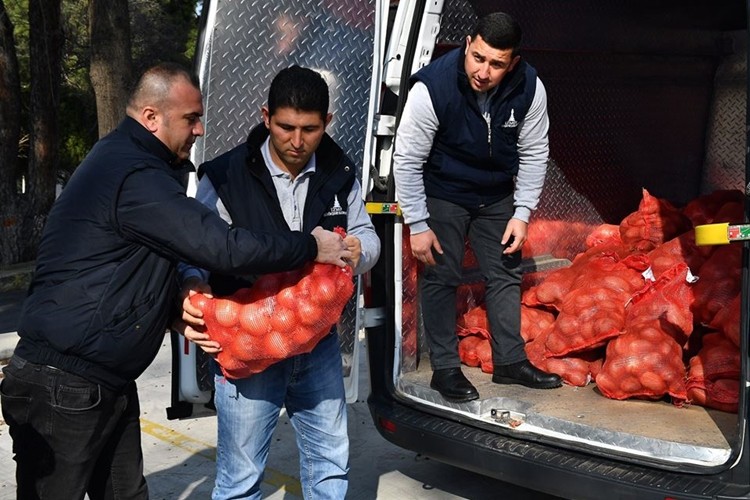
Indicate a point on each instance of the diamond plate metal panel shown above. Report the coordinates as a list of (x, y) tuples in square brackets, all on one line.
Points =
[(248, 43), (252, 40), (725, 155)]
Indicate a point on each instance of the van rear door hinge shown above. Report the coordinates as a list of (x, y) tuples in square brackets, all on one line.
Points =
[(371, 316)]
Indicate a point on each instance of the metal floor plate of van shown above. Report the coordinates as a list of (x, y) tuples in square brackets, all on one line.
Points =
[(656, 430)]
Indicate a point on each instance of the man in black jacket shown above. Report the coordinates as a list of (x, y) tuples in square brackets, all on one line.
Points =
[(103, 293)]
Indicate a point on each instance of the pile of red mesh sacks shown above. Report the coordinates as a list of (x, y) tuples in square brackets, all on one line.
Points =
[(281, 315), (642, 311)]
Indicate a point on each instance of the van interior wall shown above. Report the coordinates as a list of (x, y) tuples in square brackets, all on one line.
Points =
[(642, 94)]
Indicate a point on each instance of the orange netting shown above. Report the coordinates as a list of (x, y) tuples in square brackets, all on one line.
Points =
[(719, 282), (714, 374), (727, 320), (281, 315), (627, 313), (655, 222)]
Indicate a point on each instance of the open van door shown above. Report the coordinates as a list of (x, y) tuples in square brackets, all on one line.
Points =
[(642, 95), (242, 45)]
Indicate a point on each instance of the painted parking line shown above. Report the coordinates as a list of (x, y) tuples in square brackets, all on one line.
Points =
[(274, 478)]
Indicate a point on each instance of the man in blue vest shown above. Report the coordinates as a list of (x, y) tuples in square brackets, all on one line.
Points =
[(470, 160), (289, 174)]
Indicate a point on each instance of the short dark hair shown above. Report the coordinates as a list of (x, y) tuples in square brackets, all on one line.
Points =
[(299, 88), (152, 88), (500, 31)]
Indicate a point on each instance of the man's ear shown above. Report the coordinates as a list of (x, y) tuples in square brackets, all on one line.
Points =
[(514, 62), (468, 42), (329, 117), (150, 118), (266, 116)]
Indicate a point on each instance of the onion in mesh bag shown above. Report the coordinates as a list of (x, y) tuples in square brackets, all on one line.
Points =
[(281, 315)]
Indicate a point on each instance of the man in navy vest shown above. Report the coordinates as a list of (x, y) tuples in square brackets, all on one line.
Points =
[(289, 174), (470, 160)]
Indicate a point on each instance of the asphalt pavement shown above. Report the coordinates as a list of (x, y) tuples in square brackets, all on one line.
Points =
[(180, 455)]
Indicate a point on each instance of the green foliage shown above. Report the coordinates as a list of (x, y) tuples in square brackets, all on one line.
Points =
[(78, 121), (161, 30)]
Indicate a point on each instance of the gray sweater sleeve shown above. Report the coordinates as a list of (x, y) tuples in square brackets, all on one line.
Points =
[(413, 145), (533, 152), (414, 138)]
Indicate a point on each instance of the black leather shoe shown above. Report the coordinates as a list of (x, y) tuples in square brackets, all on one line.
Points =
[(525, 373), (453, 385)]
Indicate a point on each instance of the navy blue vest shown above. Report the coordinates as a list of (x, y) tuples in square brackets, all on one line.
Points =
[(244, 185), (469, 164)]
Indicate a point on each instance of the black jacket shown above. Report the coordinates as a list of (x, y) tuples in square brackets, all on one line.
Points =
[(105, 283), (244, 185)]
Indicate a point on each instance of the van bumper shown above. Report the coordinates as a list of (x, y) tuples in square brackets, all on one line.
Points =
[(552, 470)]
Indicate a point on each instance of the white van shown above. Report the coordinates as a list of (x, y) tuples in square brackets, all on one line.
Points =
[(642, 94)]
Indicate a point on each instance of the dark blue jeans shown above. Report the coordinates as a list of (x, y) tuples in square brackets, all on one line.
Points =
[(70, 436), (484, 228)]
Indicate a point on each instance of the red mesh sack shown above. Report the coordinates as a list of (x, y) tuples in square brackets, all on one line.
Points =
[(609, 270), (665, 304), (727, 320), (474, 321), (719, 358), (719, 282), (475, 350), (680, 249), (655, 222), (575, 370), (589, 318), (534, 321), (605, 234), (722, 394), (484, 352), (281, 315), (561, 239), (605, 261), (594, 310), (467, 350), (643, 363), (713, 375), (703, 210), (733, 211)]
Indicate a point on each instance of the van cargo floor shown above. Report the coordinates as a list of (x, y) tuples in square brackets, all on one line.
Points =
[(654, 429)]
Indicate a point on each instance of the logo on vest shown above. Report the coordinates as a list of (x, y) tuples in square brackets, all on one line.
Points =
[(336, 209), (511, 123)]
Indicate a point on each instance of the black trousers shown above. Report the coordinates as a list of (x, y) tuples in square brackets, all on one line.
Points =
[(71, 436), (484, 227)]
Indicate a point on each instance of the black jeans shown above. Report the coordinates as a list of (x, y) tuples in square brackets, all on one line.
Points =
[(71, 436), (484, 227)]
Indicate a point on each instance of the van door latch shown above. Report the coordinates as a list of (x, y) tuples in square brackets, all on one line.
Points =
[(507, 417)]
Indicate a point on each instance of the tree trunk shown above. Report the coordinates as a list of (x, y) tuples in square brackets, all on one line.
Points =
[(110, 69), (10, 131), (45, 55)]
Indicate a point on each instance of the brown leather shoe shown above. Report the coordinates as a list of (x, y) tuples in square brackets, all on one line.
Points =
[(525, 373), (453, 385)]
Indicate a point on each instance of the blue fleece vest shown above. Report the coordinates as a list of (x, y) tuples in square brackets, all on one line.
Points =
[(470, 164), (244, 185)]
